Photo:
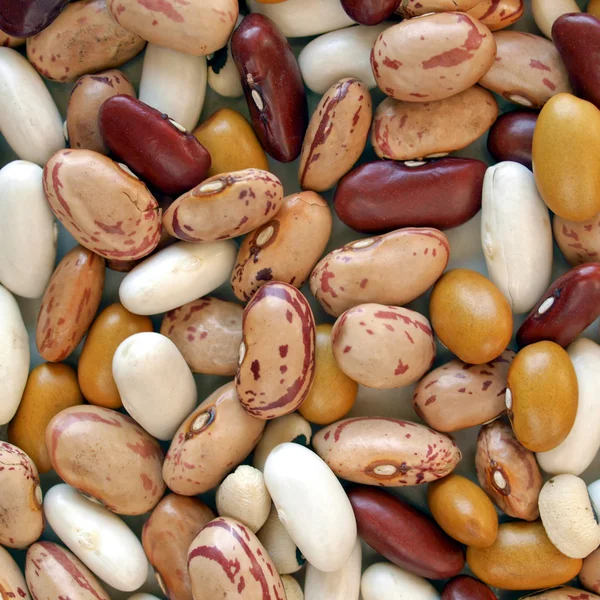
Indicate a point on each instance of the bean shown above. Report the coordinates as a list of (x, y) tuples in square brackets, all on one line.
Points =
[(370, 13), (588, 576), (12, 579), (546, 12), (384, 581), (579, 242), (498, 14), (464, 587), (511, 137), (27, 18)]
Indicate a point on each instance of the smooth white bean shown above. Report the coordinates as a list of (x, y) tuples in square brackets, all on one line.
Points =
[(385, 581), (545, 12)]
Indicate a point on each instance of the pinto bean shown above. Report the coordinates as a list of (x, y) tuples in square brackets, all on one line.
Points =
[(579, 242), (497, 14)]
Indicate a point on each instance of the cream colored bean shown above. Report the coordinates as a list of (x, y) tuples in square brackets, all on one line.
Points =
[(312, 505), (384, 581), (223, 76), (293, 590), (579, 242), (545, 12), (11, 579)]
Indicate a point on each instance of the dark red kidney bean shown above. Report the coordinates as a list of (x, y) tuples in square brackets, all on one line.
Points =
[(382, 196), (577, 39), (272, 85), (24, 18), (152, 146), (370, 12), (404, 535), (570, 304), (511, 137), (464, 587)]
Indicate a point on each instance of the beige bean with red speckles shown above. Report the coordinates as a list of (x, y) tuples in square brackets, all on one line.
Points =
[(383, 347), (336, 135), (225, 206), (528, 69), (457, 395), (579, 242), (208, 333), (416, 130), (22, 520), (395, 268), (53, 572), (386, 452), (212, 441), (122, 222), (84, 38), (285, 248), (277, 354), (10, 41), (69, 303), (416, 8), (225, 542), (107, 456), (433, 57), (12, 582)]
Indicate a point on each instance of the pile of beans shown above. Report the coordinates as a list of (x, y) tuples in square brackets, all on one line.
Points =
[(261, 443)]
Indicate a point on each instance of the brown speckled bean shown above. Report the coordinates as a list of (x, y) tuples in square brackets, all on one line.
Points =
[(336, 135), (21, 518), (69, 303), (128, 479), (226, 560), (121, 223), (383, 347), (53, 572), (277, 354), (433, 57), (208, 333), (395, 269), (527, 70), (497, 14), (285, 248), (579, 242), (386, 452), (507, 471), (225, 206), (11, 579), (87, 97), (212, 441), (9, 41), (589, 576), (458, 395)]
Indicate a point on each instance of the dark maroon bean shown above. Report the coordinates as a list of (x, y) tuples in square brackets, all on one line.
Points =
[(577, 39), (152, 145), (464, 587), (511, 137), (370, 12), (24, 18), (570, 304), (405, 536), (273, 86), (383, 196)]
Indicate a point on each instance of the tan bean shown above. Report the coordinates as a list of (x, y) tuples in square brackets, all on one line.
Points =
[(497, 14), (590, 572), (214, 439), (225, 206), (528, 69), (336, 135), (416, 130), (382, 346), (285, 248), (458, 395), (579, 242), (562, 593), (386, 452), (208, 333), (84, 38), (416, 8), (12, 582), (395, 268), (121, 223), (277, 355), (10, 41), (69, 303), (108, 456), (507, 471)]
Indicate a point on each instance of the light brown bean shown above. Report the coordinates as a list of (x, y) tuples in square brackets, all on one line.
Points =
[(579, 242)]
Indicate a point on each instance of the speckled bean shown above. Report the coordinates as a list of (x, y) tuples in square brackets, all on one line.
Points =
[(579, 242), (394, 269), (225, 206), (11, 578), (497, 14), (11, 41), (386, 452), (589, 576), (416, 8), (546, 12), (511, 137), (562, 593)]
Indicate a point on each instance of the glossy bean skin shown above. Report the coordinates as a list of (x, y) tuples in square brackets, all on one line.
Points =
[(166, 537), (498, 14), (464, 587), (215, 438), (576, 38), (405, 535), (569, 305), (148, 142), (562, 593), (272, 85), (11, 578), (385, 195), (23, 19), (589, 576), (69, 303), (386, 452), (458, 395), (368, 12), (508, 472), (511, 137), (579, 242), (285, 248), (87, 96)]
